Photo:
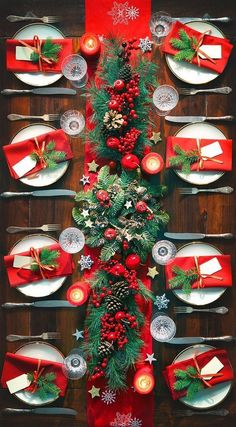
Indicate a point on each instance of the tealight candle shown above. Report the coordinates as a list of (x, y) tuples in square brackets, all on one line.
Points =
[(90, 45), (152, 163), (78, 293), (144, 380)]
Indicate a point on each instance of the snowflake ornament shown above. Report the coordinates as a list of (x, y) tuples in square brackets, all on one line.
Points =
[(161, 302), (145, 45), (121, 420), (85, 180), (118, 13), (132, 12), (108, 397), (85, 262), (135, 422)]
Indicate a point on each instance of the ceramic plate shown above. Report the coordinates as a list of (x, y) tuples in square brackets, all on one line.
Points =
[(205, 295), (206, 131), (42, 288), (208, 397), (46, 176), (39, 350), (43, 31), (190, 73)]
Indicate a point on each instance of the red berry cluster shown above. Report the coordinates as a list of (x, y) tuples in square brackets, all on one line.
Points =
[(127, 48), (115, 268), (103, 197), (97, 299), (127, 142), (113, 327), (142, 207), (99, 370)]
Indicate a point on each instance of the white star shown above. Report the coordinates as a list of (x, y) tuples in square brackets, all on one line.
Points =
[(128, 237), (78, 334), (128, 204), (150, 358), (85, 179), (89, 223), (85, 213)]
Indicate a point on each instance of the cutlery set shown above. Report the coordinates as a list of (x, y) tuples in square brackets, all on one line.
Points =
[(46, 227), (197, 236), (199, 340), (196, 119), (44, 336), (187, 310), (193, 190), (39, 411), (39, 193), (40, 91), (44, 117)]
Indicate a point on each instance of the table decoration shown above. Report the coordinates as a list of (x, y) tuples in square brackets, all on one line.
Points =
[(144, 381), (78, 293), (74, 68), (90, 46), (152, 163)]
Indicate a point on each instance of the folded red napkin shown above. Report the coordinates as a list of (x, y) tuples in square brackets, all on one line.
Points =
[(21, 276), (15, 365), (14, 153), (224, 276), (23, 66), (202, 360), (219, 64), (220, 162)]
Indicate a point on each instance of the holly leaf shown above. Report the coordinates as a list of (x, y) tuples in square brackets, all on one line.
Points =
[(108, 250), (195, 386)]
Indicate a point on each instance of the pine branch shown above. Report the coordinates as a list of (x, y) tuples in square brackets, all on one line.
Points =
[(184, 159), (50, 155), (186, 46), (47, 257), (45, 385), (187, 379), (183, 279), (49, 50)]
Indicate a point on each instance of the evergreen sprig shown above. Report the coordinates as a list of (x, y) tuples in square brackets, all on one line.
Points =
[(187, 380), (50, 155), (186, 46), (183, 279), (47, 257), (45, 385), (184, 159), (49, 49)]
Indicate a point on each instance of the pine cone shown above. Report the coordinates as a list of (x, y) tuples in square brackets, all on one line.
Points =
[(113, 304), (125, 73), (120, 290), (104, 350)]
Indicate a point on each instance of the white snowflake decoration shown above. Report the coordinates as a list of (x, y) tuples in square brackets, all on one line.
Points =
[(132, 12), (85, 262), (121, 420), (145, 45), (108, 397), (135, 422), (85, 179), (161, 302), (121, 13)]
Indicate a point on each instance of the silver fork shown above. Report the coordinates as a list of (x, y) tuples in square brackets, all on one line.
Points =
[(45, 19), (188, 412), (187, 310), (45, 227), (194, 190), (191, 91), (43, 336), (45, 117)]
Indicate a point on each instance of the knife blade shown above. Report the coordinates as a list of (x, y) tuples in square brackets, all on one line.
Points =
[(40, 91), (39, 193), (195, 119), (184, 20), (190, 236), (199, 340), (39, 411), (39, 304)]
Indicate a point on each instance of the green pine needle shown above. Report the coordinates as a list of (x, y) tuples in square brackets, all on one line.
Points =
[(49, 50), (185, 380), (47, 257), (45, 385), (183, 279), (50, 155), (183, 159), (185, 45)]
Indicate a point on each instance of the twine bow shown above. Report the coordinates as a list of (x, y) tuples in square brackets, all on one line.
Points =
[(37, 48), (43, 268), (201, 158), (36, 375), (198, 50), (202, 377), (203, 276), (40, 152)]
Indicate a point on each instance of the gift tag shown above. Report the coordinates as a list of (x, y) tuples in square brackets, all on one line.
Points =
[(211, 150), (23, 53), (210, 267), (213, 51), (21, 261), (212, 367), (18, 383), (24, 166)]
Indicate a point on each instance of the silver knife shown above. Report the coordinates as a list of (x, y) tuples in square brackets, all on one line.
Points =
[(39, 304), (223, 19), (40, 91), (196, 119), (39, 193), (198, 340), (198, 236), (39, 411)]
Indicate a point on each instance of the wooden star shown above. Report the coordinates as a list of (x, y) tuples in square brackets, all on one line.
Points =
[(95, 392), (85, 213), (128, 204), (152, 272), (156, 137), (92, 166), (89, 223)]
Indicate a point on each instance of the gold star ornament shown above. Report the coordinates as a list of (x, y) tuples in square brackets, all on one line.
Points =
[(152, 272), (95, 392), (92, 166), (156, 137)]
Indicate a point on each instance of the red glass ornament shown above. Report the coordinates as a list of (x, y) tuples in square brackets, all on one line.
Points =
[(141, 207), (119, 85), (152, 163), (102, 195), (112, 142), (78, 293), (117, 270), (132, 261), (144, 380), (90, 45), (110, 234), (113, 104), (130, 162)]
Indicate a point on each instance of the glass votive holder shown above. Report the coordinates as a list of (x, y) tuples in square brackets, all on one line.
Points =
[(163, 252), (72, 122), (165, 98), (74, 365), (160, 25), (162, 327), (74, 68), (72, 240)]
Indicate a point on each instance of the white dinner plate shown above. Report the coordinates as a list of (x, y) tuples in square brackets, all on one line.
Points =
[(45, 176), (206, 131), (43, 31), (201, 296), (41, 288), (38, 350), (210, 396), (191, 73)]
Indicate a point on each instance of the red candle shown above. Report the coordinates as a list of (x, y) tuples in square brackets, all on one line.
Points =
[(90, 45), (152, 163), (78, 293), (144, 380)]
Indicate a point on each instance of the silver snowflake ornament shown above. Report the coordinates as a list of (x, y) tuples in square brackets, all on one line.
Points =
[(108, 397), (85, 179), (121, 420), (132, 12), (85, 262), (135, 422), (161, 302), (145, 45)]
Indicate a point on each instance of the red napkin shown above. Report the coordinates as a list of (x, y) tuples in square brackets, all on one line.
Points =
[(18, 151), (15, 365), (219, 64), (202, 360), (188, 263), (18, 277), (28, 66), (188, 144)]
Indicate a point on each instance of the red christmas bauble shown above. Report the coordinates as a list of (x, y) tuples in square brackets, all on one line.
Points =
[(111, 336), (130, 162), (132, 261), (102, 195), (110, 234), (117, 270), (141, 207), (112, 142), (120, 315), (119, 84), (113, 104)]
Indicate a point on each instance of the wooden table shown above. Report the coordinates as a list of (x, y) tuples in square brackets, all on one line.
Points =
[(205, 213)]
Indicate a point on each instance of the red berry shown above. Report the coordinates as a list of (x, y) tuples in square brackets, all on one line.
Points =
[(132, 261), (117, 270), (112, 164), (147, 150), (110, 234), (102, 195), (112, 142), (111, 336), (119, 84), (141, 207), (113, 104), (119, 315), (130, 162)]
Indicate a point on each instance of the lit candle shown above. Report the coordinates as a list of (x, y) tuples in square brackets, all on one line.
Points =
[(90, 45), (144, 380), (152, 163), (78, 293)]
